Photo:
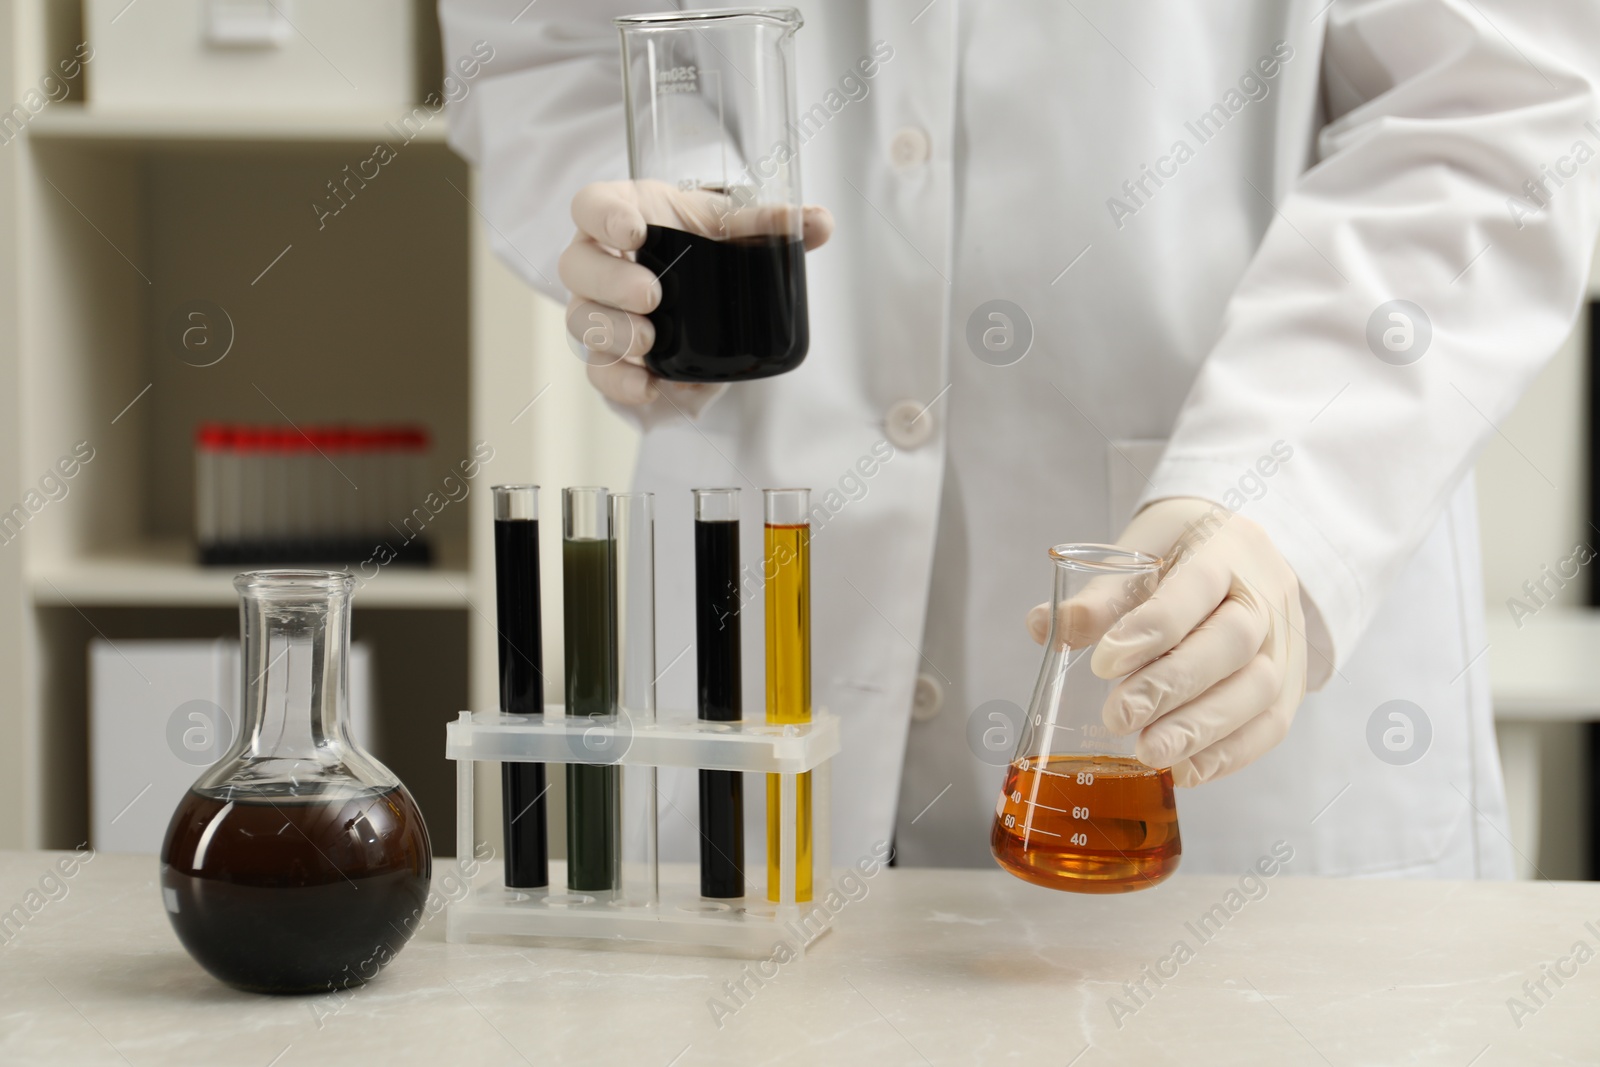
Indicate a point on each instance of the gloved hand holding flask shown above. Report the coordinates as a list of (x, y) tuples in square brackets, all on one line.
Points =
[(1215, 659)]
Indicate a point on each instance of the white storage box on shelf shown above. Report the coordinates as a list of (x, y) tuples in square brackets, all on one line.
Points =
[(160, 713), (677, 914), (250, 55)]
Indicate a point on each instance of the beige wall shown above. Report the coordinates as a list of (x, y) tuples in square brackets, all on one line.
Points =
[(1527, 521)]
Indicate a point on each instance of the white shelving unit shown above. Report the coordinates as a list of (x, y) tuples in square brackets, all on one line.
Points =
[(163, 573), (75, 122), (395, 310)]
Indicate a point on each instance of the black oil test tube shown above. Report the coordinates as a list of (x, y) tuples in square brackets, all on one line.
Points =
[(717, 652), (594, 791), (516, 572)]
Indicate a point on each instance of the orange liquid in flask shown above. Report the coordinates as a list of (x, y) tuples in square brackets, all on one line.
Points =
[(1088, 824)]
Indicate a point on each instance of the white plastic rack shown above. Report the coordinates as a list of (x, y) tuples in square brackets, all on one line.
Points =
[(667, 909)]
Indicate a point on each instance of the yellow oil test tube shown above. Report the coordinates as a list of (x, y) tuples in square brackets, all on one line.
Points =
[(787, 571)]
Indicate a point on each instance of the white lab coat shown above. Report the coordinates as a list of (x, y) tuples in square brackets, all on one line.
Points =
[(1224, 308)]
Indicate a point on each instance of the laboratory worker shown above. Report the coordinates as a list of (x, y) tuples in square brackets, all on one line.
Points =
[(1243, 285)]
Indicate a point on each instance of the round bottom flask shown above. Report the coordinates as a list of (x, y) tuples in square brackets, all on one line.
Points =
[(297, 863)]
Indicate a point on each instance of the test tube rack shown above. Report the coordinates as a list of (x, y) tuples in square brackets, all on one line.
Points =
[(670, 911)]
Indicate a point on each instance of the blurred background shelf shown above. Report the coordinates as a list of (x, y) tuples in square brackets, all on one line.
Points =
[(1548, 668), (1544, 672), (66, 122), (350, 301), (164, 574)]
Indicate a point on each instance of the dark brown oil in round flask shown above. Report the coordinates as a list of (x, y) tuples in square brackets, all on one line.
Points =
[(297, 863)]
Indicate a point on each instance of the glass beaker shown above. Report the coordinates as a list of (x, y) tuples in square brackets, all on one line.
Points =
[(297, 863), (713, 150), (1078, 812)]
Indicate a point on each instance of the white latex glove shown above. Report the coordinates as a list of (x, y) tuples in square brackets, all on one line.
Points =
[(1215, 658), (612, 294)]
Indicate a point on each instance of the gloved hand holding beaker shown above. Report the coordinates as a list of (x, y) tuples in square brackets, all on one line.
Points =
[(613, 295), (703, 252), (1215, 659)]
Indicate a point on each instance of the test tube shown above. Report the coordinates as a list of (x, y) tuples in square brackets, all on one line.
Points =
[(516, 572), (633, 534), (594, 797), (787, 570), (717, 651)]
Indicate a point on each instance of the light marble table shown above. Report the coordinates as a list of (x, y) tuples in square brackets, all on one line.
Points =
[(969, 967)]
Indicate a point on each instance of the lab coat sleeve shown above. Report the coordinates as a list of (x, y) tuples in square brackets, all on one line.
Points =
[(544, 119), (1443, 118)]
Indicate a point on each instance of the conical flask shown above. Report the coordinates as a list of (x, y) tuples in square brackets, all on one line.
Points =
[(1078, 812)]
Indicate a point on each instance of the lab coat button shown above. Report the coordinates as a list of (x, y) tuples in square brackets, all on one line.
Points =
[(927, 698), (908, 424), (910, 146)]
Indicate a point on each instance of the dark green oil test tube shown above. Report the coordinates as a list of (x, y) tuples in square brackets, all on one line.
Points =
[(717, 655), (521, 653), (594, 792)]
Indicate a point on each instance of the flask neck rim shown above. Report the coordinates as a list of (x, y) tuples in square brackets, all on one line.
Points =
[(787, 17), (1092, 558), (305, 586)]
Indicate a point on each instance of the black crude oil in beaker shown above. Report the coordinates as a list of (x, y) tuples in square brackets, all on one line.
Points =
[(730, 310)]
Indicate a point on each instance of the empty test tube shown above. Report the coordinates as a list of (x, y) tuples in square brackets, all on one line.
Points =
[(633, 540)]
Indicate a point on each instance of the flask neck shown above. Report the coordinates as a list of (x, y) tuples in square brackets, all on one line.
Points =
[(294, 731), (296, 666), (1095, 587)]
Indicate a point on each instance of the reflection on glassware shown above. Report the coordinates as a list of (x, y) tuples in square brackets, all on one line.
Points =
[(1078, 811)]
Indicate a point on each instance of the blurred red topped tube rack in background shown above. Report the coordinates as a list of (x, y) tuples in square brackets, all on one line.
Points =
[(309, 494)]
